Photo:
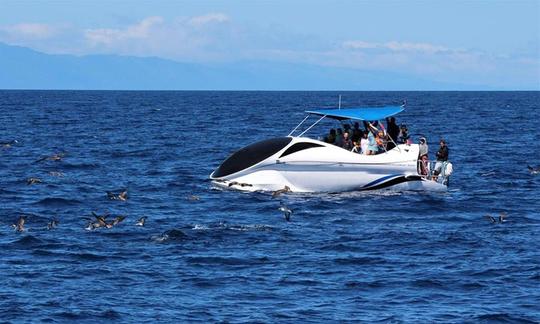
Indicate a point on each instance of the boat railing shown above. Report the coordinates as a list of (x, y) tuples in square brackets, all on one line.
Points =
[(444, 175)]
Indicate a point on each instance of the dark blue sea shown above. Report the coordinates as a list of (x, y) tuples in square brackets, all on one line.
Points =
[(212, 255)]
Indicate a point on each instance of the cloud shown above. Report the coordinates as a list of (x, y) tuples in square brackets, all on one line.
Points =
[(396, 46), (110, 36), (208, 19), (215, 37), (29, 31)]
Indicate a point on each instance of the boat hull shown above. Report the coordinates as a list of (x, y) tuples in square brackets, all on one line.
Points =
[(322, 167)]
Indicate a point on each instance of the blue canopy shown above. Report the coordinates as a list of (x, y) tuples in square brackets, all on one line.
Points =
[(366, 113)]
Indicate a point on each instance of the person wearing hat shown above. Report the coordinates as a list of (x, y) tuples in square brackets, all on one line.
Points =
[(442, 156), (424, 149), (423, 159)]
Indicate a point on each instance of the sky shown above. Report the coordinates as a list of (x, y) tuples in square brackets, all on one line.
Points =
[(493, 43)]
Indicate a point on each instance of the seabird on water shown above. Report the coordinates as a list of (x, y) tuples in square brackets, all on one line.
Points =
[(500, 220), (115, 221), (52, 224), (54, 157), (286, 212), (141, 221), (533, 170), (31, 181), (97, 222), (193, 198), (8, 144), (120, 196), (491, 219), (19, 226)]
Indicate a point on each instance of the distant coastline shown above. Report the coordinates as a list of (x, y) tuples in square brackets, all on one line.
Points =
[(23, 68)]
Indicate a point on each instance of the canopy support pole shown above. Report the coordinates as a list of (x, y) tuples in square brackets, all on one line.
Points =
[(312, 126), (298, 125)]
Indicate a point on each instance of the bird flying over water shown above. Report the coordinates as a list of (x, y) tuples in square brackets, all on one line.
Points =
[(286, 212), (280, 191)]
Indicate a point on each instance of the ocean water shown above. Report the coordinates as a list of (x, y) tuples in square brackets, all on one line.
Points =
[(222, 256)]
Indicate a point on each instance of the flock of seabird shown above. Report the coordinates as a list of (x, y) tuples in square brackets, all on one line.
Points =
[(100, 221), (94, 222)]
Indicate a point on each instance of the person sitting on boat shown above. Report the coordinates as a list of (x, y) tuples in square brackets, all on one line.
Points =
[(424, 166), (442, 157), (403, 135), (381, 142), (356, 147), (393, 132), (347, 143), (331, 137)]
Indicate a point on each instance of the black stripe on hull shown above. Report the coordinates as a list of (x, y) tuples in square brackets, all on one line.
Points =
[(394, 182)]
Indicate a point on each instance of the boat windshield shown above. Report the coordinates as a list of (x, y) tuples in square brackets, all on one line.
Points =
[(251, 155)]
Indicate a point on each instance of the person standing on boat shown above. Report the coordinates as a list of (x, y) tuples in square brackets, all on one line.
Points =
[(442, 157), (339, 138), (356, 133), (393, 131), (423, 164), (404, 135), (424, 148), (373, 148), (364, 143)]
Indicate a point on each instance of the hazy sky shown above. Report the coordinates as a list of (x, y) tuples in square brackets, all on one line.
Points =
[(494, 43)]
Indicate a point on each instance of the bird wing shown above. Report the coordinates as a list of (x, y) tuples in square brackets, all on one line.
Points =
[(118, 219), (101, 220), (41, 159)]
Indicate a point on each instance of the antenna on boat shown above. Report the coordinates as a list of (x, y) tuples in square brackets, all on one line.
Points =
[(339, 103)]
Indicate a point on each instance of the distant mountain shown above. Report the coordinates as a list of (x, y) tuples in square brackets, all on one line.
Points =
[(23, 68)]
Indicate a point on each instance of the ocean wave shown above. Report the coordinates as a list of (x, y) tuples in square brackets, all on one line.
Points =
[(359, 260), (57, 201), (218, 260)]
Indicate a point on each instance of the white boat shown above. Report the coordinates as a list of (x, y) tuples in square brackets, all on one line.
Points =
[(302, 164)]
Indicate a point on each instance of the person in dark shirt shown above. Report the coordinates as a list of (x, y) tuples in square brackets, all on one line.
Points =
[(393, 131), (403, 137), (331, 137), (442, 156), (356, 133), (347, 143)]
